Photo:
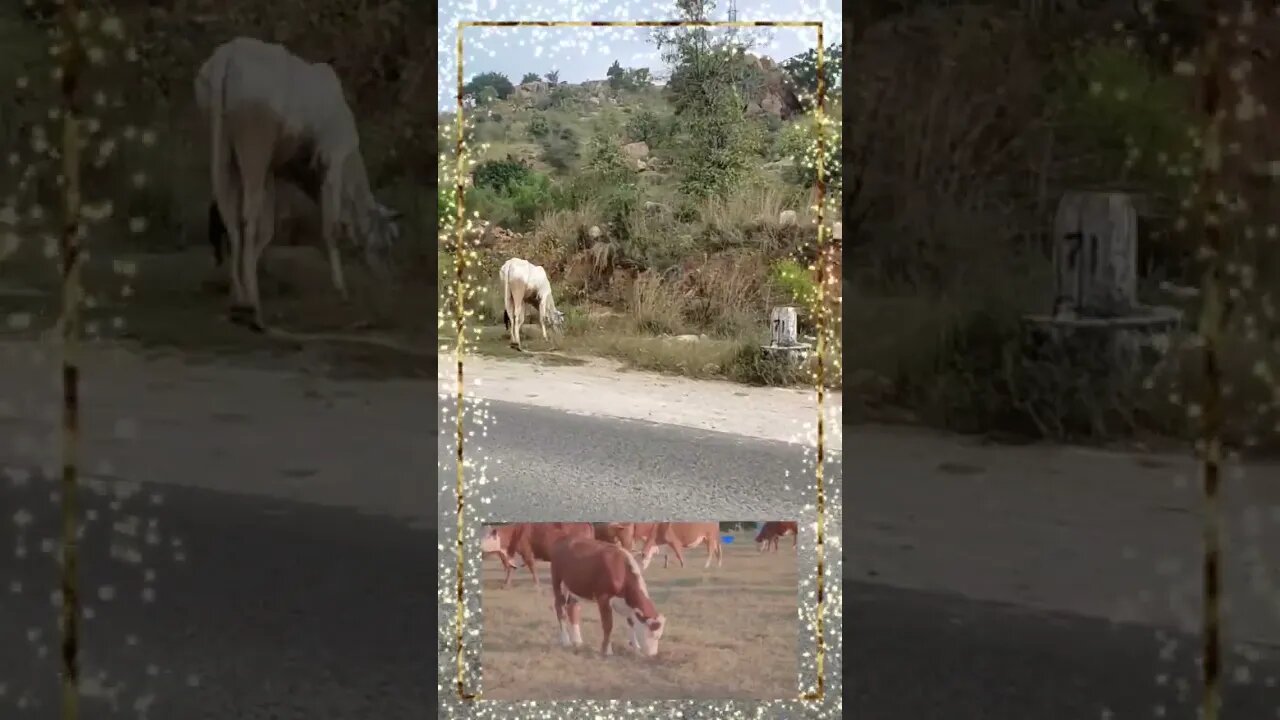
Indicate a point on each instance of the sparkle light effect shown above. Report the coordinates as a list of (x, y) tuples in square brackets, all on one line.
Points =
[(821, 604), (65, 145)]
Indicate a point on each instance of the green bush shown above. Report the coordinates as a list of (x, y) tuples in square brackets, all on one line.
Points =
[(511, 194), (796, 281), (1115, 101), (645, 126), (501, 175), (530, 197), (489, 86), (539, 126), (530, 77), (800, 143), (560, 149)]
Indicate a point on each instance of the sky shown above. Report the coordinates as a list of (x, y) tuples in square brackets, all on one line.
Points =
[(582, 54)]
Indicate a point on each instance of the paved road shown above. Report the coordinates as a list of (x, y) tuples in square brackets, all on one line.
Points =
[(1103, 535), (929, 656), (276, 609), (551, 465)]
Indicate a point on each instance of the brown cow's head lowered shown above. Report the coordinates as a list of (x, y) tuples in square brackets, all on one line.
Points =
[(645, 632)]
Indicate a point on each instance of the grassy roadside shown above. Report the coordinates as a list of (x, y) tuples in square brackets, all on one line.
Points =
[(629, 336)]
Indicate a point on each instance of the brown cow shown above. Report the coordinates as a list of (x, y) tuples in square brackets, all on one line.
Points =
[(496, 541), (529, 542), (610, 532), (624, 533), (584, 569), (679, 536), (771, 531)]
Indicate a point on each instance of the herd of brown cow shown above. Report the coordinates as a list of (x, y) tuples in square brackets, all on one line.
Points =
[(599, 562)]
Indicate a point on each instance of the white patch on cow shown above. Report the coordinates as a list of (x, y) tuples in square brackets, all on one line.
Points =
[(647, 639), (575, 634), (635, 570), (491, 542), (624, 614)]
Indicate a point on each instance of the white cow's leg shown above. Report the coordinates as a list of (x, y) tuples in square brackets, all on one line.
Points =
[(266, 232), (330, 205), (564, 633), (516, 323), (510, 308), (559, 603), (227, 198), (254, 141), (225, 183), (620, 610), (575, 621)]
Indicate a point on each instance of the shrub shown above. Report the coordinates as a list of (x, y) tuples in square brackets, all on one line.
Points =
[(796, 282), (539, 126), (645, 126), (501, 175), (560, 148)]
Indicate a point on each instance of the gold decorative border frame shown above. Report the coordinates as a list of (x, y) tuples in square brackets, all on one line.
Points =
[(811, 702)]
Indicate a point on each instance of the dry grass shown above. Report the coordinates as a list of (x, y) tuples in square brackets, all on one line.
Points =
[(178, 301), (732, 633)]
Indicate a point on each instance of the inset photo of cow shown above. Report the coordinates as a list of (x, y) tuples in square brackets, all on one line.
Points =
[(639, 611)]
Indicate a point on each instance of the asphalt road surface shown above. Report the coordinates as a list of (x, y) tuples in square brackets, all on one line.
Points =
[(279, 609), (550, 465), (262, 608), (923, 656)]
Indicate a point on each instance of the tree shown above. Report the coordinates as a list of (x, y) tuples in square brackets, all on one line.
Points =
[(621, 78), (553, 77), (614, 73), (529, 78), (802, 71), (497, 82), (715, 145)]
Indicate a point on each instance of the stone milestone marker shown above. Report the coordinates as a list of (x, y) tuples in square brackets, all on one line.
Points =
[(783, 322), (784, 340), (1095, 255)]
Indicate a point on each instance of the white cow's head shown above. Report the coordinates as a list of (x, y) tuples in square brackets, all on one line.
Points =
[(382, 233), (490, 542), (645, 632)]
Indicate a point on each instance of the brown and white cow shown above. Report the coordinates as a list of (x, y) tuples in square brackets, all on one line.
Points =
[(625, 534), (529, 542), (586, 569), (495, 541), (771, 531), (679, 536)]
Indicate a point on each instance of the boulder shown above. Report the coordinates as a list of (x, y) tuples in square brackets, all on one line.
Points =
[(636, 150)]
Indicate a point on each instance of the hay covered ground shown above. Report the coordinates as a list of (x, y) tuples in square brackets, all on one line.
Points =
[(733, 633)]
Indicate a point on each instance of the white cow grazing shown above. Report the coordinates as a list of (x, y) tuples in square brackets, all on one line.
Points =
[(524, 282), (274, 114)]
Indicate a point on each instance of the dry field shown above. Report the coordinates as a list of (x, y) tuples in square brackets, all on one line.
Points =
[(732, 632)]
